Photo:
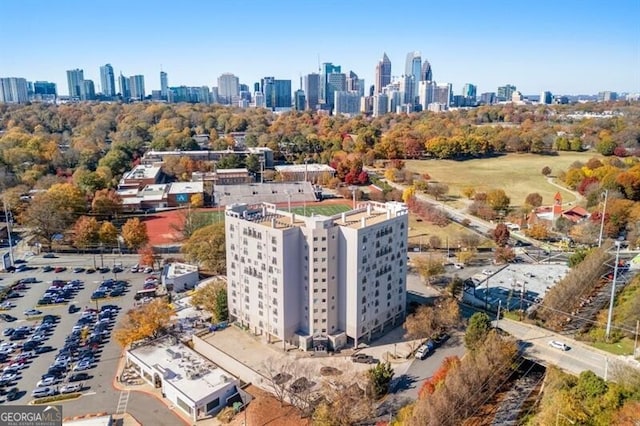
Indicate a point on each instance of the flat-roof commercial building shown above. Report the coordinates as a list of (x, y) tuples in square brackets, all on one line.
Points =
[(317, 282), (191, 382)]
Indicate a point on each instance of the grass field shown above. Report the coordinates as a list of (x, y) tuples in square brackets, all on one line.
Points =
[(318, 209), (517, 174)]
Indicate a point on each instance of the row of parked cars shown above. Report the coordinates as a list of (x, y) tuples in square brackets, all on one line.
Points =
[(110, 288), (25, 343), (60, 291), (81, 352)]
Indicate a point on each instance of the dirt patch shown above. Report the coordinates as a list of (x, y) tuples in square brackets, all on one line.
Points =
[(264, 409)]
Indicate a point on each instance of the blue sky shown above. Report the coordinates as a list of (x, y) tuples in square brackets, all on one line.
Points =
[(565, 46)]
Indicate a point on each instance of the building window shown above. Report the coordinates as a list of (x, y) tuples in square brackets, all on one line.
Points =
[(183, 405), (213, 404)]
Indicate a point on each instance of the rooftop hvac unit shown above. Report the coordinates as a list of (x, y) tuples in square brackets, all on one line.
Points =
[(173, 354)]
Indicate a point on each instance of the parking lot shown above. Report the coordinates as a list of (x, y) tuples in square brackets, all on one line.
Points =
[(96, 389)]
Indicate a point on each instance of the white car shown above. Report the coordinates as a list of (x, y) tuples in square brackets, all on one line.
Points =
[(487, 272), (71, 388), (558, 345), (48, 381)]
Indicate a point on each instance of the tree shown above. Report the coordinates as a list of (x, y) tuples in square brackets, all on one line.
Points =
[(546, 170), (498, 200), (504, 254), (468, 192), (189, 221), (408, 193), (134, 233), (379, 378), (147, 321), (207, 247), (212, 297), (539, 231), (428, 266), (534, 199), (106, 202), (108, 234), (430, 321), (577, 257), (197, 200), (437, 190), (86, 232), (477, 330), (501, 235)]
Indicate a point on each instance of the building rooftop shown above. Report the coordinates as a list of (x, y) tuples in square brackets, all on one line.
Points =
[(154, 192), (301, 168), (142, 172), (128, 192), (182, 368), (186, 188), (179, 269)]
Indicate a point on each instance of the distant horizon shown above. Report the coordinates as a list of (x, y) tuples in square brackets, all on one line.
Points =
[(573, 48)]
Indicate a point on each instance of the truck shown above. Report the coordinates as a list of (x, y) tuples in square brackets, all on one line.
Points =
[(425, 350), (363, 358)]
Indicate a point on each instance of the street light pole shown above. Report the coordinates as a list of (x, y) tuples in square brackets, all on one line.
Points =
[(613, 290), (6, 218), (604, 211)]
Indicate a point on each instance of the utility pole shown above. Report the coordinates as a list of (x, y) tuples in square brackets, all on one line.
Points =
[(604, 211), (8, 223), (613, 290), (522, 292), (498, 316), (635, 343)]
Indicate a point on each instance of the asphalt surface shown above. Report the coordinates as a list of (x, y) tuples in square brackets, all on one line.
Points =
[(99, 395)]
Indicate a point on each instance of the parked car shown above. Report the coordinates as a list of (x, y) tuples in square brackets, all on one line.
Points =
[(32, 312), (42, 392), (48, 381), (13, 394), (28, 280), (43, 349), (363, 358), (104, 269), (78, 377), (49, 256), (90, 271), (8, 331), (71, 388), (148, 270), (425, 349), (82, 365), (59, 269), (78, 270), (47, 268), (135, 268), (7, 317), (7, 305)]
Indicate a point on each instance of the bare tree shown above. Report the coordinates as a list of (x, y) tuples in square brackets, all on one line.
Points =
[(278, 376)]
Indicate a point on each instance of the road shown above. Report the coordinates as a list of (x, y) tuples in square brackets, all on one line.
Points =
[(535, 342)]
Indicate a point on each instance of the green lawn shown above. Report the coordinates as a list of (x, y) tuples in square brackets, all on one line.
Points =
[(623, 347), (518, 174), (327, 210)]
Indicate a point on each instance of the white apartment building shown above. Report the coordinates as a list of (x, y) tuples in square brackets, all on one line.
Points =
[(317, 282)]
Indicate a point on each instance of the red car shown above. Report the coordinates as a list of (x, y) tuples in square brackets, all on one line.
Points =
[(59, 269)]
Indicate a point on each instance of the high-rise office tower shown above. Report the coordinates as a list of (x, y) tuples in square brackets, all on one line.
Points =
[(442, 95), (277, 93), (136, 87), (383, 73), (347, 103), (317, 281), (326, 93), (407, 89), (123, 84), (228, 88), (107, 80), (546, 98), (426, 91), (13, 90), (164, 85), (336, 82), (299, 100), (266, 87), (413, 67), (380, 104), (355, 84), (88, 91), (311, 86), (45, 88), (506, 92), (75, 83), (469, 91), (425, 72)]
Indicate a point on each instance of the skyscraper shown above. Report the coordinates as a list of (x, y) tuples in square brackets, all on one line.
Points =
[(75, 83), (380, 104), (311, 86), (299, 100), (546, 98), (107, 80), (277, 93), (136, 86), (326, 94), (355, 84), (228, 88), (506, 92), (88, 91), (336, 82), (125, 90), (164, 85), (44, 88), (347, 103), (13, 90), (413, 67), (383, 73), (469, 91), (425, 73), (407, 89)]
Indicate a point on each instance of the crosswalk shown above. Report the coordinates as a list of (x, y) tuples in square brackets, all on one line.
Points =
[(122, 402)]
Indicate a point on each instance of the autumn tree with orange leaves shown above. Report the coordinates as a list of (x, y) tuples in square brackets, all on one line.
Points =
[(134, 233), (147, 321)]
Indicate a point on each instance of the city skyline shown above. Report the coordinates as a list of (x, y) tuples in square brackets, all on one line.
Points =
[(567, 47)]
